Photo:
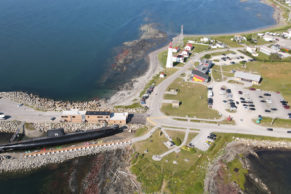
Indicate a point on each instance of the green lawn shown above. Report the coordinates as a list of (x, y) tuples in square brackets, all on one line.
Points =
[(221, 53), (200, 48), (193, 98), (234, 82), (187, 176), (134, 105), (216, 73), (156, 80), (237, 172), (162, 56), (276, 75), (269, 122), (141, 131), (227, 40)]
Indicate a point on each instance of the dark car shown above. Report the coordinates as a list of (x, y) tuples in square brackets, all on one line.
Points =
[(53, 118), (267, 94), (263, 101), (251, 105), (243, 101), (222, 88), (240, 92), (210, 101), (252, 89), (267, 110), (274, 109), (228, 90), (224, 101), (237, 102), (288, 131), (252, 109), (270, 129), (241, 98), (260, 96)]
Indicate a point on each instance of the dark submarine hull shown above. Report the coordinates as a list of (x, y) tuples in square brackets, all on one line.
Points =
[(64, 139)]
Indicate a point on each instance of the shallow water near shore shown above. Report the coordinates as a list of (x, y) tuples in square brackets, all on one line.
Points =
[(63, 49), (273, 168)]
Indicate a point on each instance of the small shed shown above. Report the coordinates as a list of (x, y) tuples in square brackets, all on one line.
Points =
[(176, 103)]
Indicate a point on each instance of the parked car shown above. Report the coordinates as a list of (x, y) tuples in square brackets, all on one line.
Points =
[(267, 94), (228, 90), (252, 89), (252, 109), (274, 109), (240, 92), (260, 96), (270, 129), (267, 110), (263, 101), (287, 107), (288, 131)]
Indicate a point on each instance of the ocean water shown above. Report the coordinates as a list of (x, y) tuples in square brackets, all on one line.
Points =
[(62, 49), (273, 168)]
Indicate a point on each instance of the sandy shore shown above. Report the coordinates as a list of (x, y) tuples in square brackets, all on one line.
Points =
[(127, 97)]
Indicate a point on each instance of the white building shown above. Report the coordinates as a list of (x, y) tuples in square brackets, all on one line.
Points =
[(204, 39), (188, 47), (242, 76), (268, 38), (252, 51), (169, 63), (118, 118), (176, 49), (266, 50), (185, 53)]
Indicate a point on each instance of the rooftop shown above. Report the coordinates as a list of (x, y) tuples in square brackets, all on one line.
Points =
[(118, 116), (248, 76), (73, 112), (97, 113)]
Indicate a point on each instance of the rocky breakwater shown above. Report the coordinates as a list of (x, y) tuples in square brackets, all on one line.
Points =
[(28, 161), (239, 148), (9, 126), (46, 104)]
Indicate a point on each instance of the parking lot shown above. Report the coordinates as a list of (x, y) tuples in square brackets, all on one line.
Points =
[(230, 59), (244, 104)]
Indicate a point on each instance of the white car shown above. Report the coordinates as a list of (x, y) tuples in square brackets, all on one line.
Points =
[(269, 101), (2, 116)]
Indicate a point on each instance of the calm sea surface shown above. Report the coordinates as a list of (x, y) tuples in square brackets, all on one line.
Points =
[(273, 168), (62, 48)]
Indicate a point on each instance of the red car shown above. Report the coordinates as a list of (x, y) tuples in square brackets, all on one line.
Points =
[(287, 107), (252, 88)]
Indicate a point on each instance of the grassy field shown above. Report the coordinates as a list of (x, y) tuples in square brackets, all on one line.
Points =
[(134, 105), (235, 82), (223, 122), (216, 73), (187, 176), (227, 40), (200, 48), (268, 122), (221, 53), (175, 134), (162, 56), (276, 75), (156, 79), (140, 131), (193, 98), (237, 172)]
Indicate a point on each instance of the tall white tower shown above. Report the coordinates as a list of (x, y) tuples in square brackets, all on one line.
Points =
[(169, 63)]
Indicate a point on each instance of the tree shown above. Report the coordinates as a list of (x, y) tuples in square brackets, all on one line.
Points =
[(178, 141)]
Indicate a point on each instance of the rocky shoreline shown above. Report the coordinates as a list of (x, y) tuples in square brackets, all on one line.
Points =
[(33, 161), (214, 181)]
